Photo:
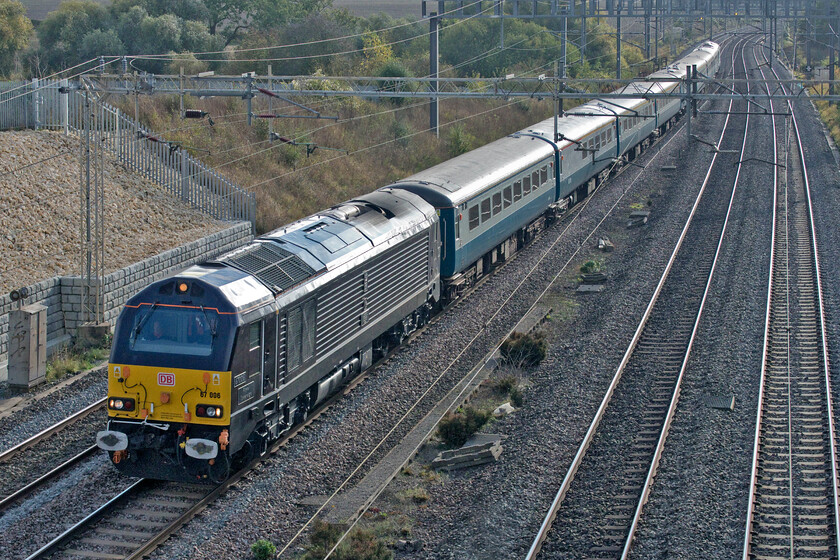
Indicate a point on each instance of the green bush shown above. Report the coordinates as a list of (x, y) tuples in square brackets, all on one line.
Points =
[(263, 550), (516, 397), (455, 429), (506, 384), (459, 141), (524, 350), (590, 266)]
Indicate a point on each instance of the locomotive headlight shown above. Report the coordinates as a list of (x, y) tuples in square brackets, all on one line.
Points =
[(208, 411), (120, 404)]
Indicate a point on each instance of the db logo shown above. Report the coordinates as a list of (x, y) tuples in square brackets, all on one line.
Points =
[(166, 379)]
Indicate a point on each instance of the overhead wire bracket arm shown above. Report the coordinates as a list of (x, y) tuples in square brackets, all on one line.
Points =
[(299, 105)]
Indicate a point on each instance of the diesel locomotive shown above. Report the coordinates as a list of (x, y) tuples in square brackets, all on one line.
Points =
[(210, 365)]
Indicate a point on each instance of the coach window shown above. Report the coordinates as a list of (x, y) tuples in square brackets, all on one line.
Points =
[(543, 174), (473, 215), (597, 145), (485, 210), (507, 196), (604, 138), (535, 179), (526, 185), (517, 191), (497, 203)]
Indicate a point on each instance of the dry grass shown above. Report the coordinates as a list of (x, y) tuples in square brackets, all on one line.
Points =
[(383, 142)]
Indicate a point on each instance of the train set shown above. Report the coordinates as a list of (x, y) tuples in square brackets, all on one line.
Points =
[(212, 364)]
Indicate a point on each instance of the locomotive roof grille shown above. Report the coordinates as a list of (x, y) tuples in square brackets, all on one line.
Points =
[(273, 266)]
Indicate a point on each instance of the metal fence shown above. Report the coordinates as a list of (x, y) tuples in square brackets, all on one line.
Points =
[(39, 104)]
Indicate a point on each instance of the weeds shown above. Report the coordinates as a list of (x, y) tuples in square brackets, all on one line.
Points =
[(69, 361)]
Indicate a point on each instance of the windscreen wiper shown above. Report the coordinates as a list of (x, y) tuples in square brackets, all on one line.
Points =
[(140, 325), (209, 324)]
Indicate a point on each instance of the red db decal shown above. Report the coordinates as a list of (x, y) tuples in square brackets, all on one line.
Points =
[(166, 379)]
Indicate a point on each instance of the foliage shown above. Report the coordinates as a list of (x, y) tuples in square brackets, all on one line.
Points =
[(70, 361), (263, 550), (509, 385), (377, 53), (590, 267), (524, 350), (455, 429), (459, 141), (360, 545), (15, 29), (516, 398)]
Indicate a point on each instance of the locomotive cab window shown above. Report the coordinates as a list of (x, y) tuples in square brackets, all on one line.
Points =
[(174, 331)]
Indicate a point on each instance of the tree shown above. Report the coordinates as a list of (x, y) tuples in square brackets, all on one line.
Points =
[(61, 33), (99, 42), (15, 30)]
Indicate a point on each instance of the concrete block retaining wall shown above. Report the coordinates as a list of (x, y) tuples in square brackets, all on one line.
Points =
[(62, 295)]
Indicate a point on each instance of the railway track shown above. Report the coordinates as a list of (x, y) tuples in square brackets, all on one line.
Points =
[(13, 491), (793, 504), (610, 478)]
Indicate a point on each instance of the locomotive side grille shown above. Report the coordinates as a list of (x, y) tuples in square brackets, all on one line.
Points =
[(273, 266), (339, 313), (281, 348), (390, 279), (397, 278)]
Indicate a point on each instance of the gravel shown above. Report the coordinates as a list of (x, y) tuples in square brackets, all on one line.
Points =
[(42, 413), (42, 517), (39, 211)]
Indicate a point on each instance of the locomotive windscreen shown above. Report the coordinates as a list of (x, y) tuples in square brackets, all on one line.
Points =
[(174, 331), (173, 336)]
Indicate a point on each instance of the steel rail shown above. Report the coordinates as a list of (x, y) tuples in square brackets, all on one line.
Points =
[(55, 428), (764, 350), (100, 512), (832, 438), (6, 502), (590, 434), (672, 408), (832, 430)]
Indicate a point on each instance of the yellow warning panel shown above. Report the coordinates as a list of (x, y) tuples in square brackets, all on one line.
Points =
[(168, 394)]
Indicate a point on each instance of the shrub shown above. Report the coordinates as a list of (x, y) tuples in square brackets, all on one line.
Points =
[(524, 350), (263, 550), (455, 429), (459, 141), (360, 545), (516, 397), (506, 384), (590, 266)]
